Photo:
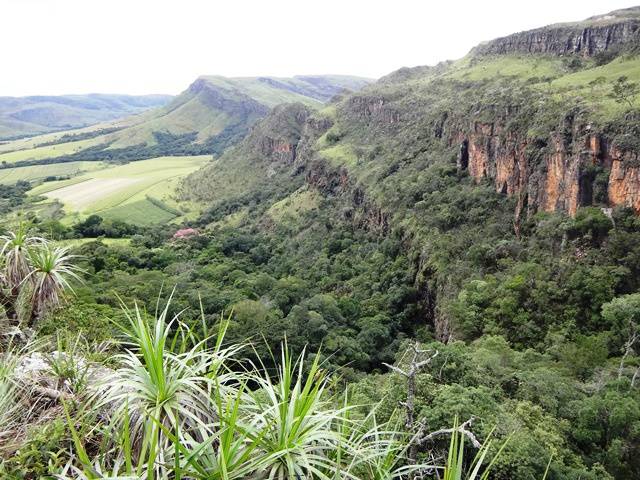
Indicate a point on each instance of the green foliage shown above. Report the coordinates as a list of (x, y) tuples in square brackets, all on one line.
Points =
[(624, 91), (42, 456)]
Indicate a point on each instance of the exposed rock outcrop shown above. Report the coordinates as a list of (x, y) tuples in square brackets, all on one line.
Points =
[(216, 98), (595, 35), (557, 176), (372, 107), (276, 137)]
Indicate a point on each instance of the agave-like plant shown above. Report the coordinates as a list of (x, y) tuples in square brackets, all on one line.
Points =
[(172, 411), (380, 450), (160, 386), (16, 267), (16, 246), (8, 394), (454, 468), (298, 424), (51, 270)]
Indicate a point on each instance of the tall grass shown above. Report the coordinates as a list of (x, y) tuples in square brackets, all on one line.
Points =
[(8, 394)]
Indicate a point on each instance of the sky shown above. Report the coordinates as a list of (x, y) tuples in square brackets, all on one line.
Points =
[(53, 47)]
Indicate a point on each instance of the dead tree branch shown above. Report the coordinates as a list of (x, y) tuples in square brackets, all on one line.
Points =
[(463, 429)]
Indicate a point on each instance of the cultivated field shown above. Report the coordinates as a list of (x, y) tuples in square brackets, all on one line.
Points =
[(34, 173), (139, 192), (49, 151), (88, 192)]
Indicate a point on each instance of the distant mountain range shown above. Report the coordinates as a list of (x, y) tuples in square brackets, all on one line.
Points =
[(25, 116)]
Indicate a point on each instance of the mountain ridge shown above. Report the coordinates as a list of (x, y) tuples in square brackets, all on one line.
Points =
[(592, 36)]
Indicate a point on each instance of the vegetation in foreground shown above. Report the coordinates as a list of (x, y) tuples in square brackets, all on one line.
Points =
[(176, 402)]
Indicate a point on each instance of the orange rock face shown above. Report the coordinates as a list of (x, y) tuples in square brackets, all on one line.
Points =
[(565, 182), (624, 181), (561, 186)]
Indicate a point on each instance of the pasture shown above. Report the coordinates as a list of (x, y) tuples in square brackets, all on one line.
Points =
[(138, 192), (35, 173), (48, 151)]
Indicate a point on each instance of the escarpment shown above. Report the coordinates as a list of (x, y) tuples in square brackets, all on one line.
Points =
[(276, 138), (572, 168), (615, 30), (234, 103)]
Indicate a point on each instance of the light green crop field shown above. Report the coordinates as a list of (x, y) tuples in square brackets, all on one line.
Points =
[(9, 176), (141, 212), (33, 142), (50, 151), (123, 191)]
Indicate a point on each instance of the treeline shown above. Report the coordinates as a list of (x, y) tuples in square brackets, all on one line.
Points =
[(13, 196), (166, 144)]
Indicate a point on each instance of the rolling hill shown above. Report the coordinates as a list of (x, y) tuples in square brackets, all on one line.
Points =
[(216, 111), (212, 114), (28, 116)]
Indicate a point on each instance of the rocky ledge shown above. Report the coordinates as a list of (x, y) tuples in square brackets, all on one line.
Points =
[(613, 31)]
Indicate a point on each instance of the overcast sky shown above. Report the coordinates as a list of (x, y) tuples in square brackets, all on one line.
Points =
[(157, 46)]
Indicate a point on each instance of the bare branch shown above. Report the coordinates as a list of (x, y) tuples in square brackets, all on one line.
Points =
[(396, 369), (426, 362), (461, 429)]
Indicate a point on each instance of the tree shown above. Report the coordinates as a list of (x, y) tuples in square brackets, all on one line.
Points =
[(420, 359), (624, 91), (623, 316)]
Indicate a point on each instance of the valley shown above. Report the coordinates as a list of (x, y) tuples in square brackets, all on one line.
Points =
[(327, 276)]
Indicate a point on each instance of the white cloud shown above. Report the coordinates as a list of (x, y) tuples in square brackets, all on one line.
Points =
[(159, 46)]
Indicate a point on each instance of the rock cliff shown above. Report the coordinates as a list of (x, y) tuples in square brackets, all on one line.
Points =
[(595, 35), (575, 167)]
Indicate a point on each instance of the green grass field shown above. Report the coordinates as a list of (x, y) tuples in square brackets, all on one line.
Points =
[(141, 212), (49, 151), (77, 242), (506, 66), (36, 173), (121, 192)]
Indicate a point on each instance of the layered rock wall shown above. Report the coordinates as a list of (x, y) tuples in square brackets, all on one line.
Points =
[(599, 35), (559, 176)]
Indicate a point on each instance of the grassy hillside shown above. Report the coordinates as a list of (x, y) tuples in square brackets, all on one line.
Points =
[(28, 116), (211, 115)]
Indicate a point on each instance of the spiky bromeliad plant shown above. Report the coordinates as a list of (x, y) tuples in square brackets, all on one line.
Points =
[(9, 406), (51, 269), (454, 468), (16, 268), (34, 274)]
